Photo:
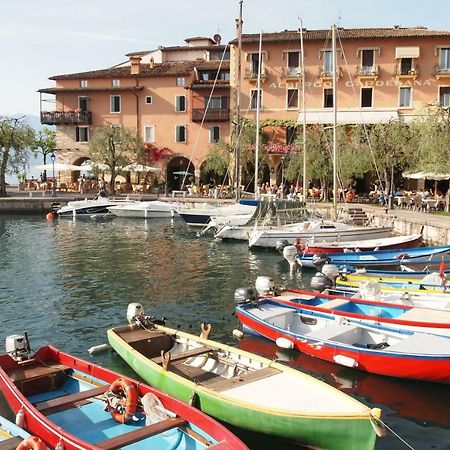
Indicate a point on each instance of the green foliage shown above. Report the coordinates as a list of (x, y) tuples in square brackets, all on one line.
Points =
[(116, 147), (218, 159), (17, 139)]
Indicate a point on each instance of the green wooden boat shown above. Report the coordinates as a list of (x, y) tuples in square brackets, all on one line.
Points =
[(243, 389)]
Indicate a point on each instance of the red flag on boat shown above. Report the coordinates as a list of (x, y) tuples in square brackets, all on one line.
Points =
[(442, 271)]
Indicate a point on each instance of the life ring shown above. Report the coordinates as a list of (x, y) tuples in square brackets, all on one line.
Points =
[(31, 443), (127, 406)]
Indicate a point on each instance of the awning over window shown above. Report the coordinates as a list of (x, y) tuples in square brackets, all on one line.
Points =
[(407, 52)]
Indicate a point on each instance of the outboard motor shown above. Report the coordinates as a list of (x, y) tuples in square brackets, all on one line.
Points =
[(290, 253), (265, 285), (319, 259), (331, 271), (320, 282), (280, 245), (244, 295), (134, 311), (18, 347)]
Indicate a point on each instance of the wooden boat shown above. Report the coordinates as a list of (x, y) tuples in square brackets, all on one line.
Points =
[(13, 437), (428, 282), (78, 405), (393, 242), (375, 258), (241, 388), (375, 349), (395, 316), (401, 272)]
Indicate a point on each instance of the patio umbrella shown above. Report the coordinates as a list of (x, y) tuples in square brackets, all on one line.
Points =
[(183, 172), (90, 167), (57, 166), (140, 168), (427, 176)]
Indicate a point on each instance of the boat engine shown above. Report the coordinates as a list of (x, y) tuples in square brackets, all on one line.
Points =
[(289, 254), (320, 259), (320, 282), (265, 285), (331, 271), (244, 295), (280, 245), (18, 347), (134, 311)]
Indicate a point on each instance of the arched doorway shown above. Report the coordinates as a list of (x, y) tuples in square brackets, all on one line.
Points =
[(212, 178), (180, 172)]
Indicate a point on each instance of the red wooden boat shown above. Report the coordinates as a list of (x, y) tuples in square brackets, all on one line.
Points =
[(409, 241), (62, 399)]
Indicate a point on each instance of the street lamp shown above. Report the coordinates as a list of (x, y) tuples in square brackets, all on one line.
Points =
[(53, 157)]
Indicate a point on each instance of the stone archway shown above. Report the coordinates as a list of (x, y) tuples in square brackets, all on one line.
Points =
[(180, 172)]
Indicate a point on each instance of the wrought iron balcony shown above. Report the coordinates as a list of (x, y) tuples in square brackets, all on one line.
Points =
[(291, 73), (406, 72), (211, 115), (441, 71), (66, 117), (367, 71), (328, 73), (251, 74)]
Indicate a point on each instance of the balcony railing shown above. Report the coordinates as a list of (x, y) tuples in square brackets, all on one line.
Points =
[(292, 73), (406, 71), (250, 74), (328, 73), (66, 117), (210, 115), (367, 71), (441, 70)]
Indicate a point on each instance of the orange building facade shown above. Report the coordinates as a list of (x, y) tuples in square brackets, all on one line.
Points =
[(184, 98)]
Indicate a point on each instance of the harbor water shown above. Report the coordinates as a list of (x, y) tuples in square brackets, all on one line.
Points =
[(66, 282)]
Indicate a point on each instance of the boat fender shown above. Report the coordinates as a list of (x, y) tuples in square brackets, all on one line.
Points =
[(377, 423), (31, 443), (123, 412), (284, 343), (98, 348), (345, 361), (238, 334), (206, 330), (20, 418)]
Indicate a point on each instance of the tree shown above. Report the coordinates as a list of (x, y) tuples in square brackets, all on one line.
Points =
[(45, 144), (16, 138), (116, 147), (218, 159)]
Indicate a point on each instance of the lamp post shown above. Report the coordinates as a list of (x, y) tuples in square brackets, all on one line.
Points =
[(53, 157), (24, 170)]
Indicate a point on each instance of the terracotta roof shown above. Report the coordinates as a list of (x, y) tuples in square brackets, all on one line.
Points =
[(199, 38), (158, 70), (211, 65), (183, 48), (350, 33), (55, 90)]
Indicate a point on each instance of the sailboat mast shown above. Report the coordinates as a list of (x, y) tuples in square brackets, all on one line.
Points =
[(238, 106), (305, 187), (258, 107), (335, 187)]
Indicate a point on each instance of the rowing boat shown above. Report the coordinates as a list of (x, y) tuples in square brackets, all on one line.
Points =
[(75, 405), (240, 388)]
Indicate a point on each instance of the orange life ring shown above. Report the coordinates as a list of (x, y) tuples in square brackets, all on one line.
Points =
[(128, 404), (31, 443)]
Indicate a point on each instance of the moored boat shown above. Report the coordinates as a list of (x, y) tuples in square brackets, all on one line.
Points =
[(73, 404), (375, 349), (240, 388), (12, 437), (144, 210), (97, 207)]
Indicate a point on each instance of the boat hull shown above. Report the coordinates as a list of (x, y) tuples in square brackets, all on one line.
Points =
[(417, 367), (53, 433), (324, 432)]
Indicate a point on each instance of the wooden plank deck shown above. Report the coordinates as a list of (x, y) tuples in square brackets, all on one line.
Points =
[(179, 356)]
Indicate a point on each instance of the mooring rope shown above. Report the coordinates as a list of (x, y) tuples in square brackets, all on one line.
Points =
[(397, 435)]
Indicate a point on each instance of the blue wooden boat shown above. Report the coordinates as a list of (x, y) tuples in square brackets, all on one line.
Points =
[(402, 272), (424, 256), (78, 405)]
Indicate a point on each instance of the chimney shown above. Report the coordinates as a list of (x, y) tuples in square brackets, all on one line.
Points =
[(135, 65)]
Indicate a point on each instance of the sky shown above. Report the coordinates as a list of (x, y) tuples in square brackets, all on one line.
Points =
[(39, 39)]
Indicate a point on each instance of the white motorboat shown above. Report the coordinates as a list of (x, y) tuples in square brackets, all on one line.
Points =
[(90, 208), (144, 210), (312, 231), (199, 214)]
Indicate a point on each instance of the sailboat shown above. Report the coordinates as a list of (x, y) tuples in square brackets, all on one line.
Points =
[(200, 214), (320, 230)]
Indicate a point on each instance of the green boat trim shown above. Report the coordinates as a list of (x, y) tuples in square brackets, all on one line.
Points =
[(349, 428)]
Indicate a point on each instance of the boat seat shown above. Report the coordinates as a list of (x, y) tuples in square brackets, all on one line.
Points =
[(293, 295), (222, 384), (11, 443), (184, 355), (331, 331), (68, 401), (148, 343), (34, 377), (141, 433), (332, 304)]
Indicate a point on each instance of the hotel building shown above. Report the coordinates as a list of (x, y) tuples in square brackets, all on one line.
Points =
[(382, 74)]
